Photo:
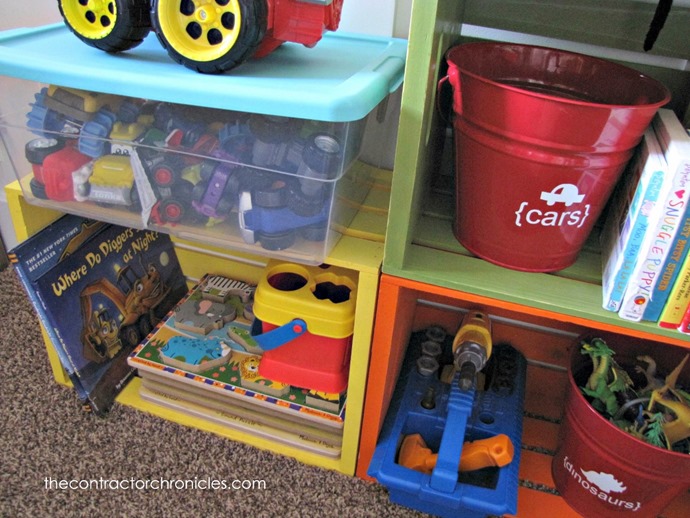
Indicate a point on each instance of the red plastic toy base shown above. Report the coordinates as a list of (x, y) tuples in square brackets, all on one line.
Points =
[(309, 361)]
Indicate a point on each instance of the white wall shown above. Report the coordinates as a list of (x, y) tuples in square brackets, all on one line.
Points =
[(378, 17), (27, 13), (381, 17)]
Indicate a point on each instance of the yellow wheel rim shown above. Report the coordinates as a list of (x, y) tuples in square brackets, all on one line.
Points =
[(93, 19), (200, 30)]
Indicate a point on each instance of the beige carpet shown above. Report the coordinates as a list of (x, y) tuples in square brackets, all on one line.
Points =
[(46, 436)]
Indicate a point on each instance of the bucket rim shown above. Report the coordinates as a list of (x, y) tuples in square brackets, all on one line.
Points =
[(463, 46)]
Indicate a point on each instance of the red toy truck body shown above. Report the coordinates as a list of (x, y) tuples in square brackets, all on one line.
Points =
[(209, 36)]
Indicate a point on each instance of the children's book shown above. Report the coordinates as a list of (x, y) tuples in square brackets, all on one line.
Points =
[(268, 426), (627, 223), (684, 326), (675, 144), (678, 299), (98, 290), (205, 346), (670, 271), (36, 256)]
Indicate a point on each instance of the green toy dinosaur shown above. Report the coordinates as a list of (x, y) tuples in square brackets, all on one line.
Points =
[(607, 378), (665, 422)]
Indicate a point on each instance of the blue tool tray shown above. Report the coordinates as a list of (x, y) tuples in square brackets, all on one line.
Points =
[(458, 416)]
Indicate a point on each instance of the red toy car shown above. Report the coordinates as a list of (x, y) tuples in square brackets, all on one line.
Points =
[(209, 36), (55, 180)]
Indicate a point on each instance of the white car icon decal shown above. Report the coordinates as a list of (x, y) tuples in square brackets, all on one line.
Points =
[(565, 193)]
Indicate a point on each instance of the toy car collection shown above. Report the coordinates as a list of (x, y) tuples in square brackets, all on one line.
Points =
[(182, 165)]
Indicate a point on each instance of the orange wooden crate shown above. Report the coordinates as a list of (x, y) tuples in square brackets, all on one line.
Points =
[(406, 306)]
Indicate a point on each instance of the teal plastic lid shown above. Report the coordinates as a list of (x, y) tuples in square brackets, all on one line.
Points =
[(341, 79)]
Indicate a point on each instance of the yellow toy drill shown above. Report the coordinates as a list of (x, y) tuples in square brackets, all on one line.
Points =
[(472, 347)]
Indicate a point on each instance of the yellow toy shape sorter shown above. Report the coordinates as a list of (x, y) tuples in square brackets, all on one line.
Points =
[(304, 323)]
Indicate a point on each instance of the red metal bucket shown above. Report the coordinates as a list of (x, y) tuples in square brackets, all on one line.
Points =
[(602, 471), (542, 136)]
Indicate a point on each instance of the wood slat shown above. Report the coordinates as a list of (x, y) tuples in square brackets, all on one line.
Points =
[(533, 503), (537, 433), (545, 392), (535, 468), (575, 298), (610, 23)]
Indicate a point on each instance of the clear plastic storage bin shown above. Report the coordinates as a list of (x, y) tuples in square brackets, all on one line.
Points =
[(266, 160)]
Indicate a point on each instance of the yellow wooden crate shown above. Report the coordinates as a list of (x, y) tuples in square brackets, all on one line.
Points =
[(361, 255)]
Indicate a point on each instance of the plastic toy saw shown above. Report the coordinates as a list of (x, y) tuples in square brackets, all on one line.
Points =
[(482, 453)]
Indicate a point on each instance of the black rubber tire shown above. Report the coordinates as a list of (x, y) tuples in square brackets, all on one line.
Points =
[(254, 22), (166, 173), (193, 216), (251, 178), (135, 204), (323, 154), (272, 195), (130, 26), (36, 150), (145, 325), (230, 196), (276, 242), (206, 169), (130, 335), (305, 205), (198, 191), (172, 211), (183, 190), (232, 188), (226, 203), (38, 189), (316, 232)]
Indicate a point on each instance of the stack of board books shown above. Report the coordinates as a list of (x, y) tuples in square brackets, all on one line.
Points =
[(646, 235), (98, 290), (203, 361)]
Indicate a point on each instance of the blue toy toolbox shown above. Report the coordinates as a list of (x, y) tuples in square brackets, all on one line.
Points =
[(446, 417), (274, 158)]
